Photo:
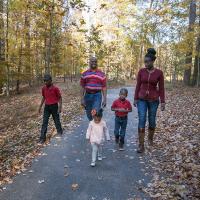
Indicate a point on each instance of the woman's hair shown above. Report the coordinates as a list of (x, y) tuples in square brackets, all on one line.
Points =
[(151, 53)]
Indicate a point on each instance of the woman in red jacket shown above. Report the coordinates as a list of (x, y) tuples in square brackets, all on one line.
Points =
[(148, 93)]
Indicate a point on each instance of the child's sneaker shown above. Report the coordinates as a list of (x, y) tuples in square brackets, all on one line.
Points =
[(100, 158), (41, 142), (117, 140), (121, 147), (93, 164)]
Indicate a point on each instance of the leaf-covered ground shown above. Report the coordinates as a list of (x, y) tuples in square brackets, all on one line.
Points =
[(176, 156), (20, 126)]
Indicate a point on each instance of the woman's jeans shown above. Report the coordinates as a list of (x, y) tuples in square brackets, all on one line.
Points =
[(143, 106), (92, 101)]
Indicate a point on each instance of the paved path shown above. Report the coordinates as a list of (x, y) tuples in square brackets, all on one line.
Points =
[(114, 178)]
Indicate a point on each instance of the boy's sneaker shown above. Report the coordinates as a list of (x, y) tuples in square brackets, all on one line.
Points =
[(117, 140), (93, 164), (40, 142), (60, 134), (121, 147), (100, 158)]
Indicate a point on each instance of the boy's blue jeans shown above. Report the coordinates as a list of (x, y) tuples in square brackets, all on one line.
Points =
[(92, 101), (143, 106), (120, 127)]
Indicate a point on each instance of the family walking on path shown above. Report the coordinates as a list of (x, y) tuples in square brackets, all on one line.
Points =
[(73, 152), (149, 93)]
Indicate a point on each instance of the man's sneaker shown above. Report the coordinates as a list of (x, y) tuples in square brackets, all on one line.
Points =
[(92, 164), (100, 158), (121, 147)]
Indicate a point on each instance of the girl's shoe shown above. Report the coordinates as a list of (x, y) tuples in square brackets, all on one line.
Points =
[(100, 158), (93, 164)]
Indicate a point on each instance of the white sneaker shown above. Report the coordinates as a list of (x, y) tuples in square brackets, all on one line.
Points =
[(99, 158), (92, 164)]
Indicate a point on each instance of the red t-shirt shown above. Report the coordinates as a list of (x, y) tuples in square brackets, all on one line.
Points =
[(51, 94), (121, 104)]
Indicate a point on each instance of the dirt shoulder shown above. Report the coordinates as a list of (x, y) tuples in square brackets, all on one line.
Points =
[(20, 126), (175, 159)]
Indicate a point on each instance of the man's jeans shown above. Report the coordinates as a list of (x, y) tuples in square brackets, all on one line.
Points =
[(120, 127), (92, 101), (48, 111), (143, 106)]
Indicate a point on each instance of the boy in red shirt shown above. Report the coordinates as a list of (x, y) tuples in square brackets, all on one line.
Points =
[(52, 98), (122, 107)]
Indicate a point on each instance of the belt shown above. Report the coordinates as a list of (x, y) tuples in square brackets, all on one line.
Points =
[(124, 117), (95, 92)]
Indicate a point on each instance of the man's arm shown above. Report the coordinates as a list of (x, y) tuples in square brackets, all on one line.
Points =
[(82, 96), (104, 92), (41, 104)]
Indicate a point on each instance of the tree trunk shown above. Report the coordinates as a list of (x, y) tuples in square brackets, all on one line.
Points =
[(2, 39), (188, 60), (28, 46), (19, 69), (7, 50), (196, 77), (48, 70)]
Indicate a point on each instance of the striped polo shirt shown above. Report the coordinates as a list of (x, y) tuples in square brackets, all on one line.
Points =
[(93, 81)]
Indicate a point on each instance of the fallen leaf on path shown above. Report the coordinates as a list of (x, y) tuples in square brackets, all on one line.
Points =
[(41, 181), (75, 186)]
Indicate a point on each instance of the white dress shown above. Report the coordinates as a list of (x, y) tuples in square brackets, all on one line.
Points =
[(97, 132)]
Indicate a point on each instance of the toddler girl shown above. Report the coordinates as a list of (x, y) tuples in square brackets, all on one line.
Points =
[(97, 132)]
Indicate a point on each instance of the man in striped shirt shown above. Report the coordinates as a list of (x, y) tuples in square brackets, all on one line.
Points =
[(93, 92)]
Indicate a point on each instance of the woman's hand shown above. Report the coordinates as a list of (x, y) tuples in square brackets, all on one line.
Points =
[(135, 103), (162, 106)]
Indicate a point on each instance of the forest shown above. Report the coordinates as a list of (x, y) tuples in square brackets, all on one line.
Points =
[(57, 37)]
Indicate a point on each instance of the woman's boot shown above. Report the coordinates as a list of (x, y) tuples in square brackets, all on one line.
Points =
[(150, 136), (141, 134)]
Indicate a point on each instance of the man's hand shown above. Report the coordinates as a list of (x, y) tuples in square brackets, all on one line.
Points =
[(83, 102), (162, 106), (104, 102), (135, 103), (93, 112)]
